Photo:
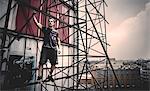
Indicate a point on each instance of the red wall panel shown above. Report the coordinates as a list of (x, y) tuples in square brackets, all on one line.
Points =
[(26, 25)]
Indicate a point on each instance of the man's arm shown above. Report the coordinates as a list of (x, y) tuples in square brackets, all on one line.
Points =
[(37, 23), (58, 45)]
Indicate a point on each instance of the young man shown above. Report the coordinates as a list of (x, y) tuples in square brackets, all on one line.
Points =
[(50, 47)]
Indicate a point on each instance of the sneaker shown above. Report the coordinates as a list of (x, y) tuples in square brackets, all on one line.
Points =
[(39, 77), (49, 78)]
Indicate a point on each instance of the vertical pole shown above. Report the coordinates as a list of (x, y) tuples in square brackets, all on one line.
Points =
[(86, 62), (107, 69), (62, 69), (5, 28), (40, 21), (46, 7), (68, 64), (77, 13), (74, 41), (69, 47)]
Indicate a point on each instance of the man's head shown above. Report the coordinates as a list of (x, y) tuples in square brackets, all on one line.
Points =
[(51, 22)]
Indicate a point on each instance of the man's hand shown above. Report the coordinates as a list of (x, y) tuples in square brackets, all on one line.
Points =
[(58, 50), (34, 12)]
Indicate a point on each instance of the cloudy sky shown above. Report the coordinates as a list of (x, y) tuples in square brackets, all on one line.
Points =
[(129, 29)]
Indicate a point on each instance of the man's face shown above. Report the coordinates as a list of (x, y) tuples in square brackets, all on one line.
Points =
[(51, 22)]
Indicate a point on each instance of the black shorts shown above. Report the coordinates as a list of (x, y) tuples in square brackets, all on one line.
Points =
[(48, 53)]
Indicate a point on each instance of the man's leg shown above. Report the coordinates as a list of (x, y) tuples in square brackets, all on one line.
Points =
[(53, 60), (43, 60), (49, 78), (52, 69), (40, 71), (52, 57)]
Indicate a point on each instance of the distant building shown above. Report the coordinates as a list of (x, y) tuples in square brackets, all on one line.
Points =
[(128, 78), (145, 75), (131, 74), (145, 71), (144, 66)]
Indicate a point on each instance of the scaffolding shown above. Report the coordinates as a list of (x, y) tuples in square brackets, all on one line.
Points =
[(86, 43)]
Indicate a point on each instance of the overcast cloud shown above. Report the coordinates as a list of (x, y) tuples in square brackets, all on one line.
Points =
[(129, 35)]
